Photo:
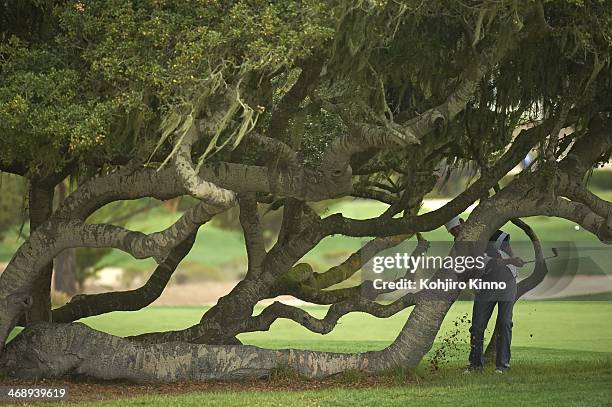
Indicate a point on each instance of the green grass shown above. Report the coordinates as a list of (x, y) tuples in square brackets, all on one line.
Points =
[(533, 385)]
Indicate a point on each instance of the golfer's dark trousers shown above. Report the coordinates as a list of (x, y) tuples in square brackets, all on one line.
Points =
[(481, 313), (480, 318)]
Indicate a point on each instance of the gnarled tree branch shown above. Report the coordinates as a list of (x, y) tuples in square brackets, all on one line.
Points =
[(276, 310), (249, 220), (82, 306), (195, 185)]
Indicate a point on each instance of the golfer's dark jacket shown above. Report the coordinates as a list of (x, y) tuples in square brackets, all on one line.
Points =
[(497, 273)]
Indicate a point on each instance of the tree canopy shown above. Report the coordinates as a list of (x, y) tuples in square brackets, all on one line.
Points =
[(97, 82)]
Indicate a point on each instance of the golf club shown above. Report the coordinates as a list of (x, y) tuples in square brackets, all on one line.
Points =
[(555, 254)]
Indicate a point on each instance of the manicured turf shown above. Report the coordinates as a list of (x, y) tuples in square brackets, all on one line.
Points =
[(586, 384)]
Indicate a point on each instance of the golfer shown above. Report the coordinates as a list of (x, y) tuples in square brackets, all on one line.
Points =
[(501, 266)]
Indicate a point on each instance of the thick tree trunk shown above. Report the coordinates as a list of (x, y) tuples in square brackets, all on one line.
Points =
[(41, 207), (65, 272), (65, 262)]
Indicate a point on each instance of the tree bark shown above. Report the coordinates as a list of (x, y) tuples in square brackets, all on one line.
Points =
[(40, 208), (56, 350), (65, 262), (65, 272)]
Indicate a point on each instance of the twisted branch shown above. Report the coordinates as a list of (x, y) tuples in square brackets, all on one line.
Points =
[(276, 310), (82, 306)]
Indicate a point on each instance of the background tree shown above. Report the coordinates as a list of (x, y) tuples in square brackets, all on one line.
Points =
[(12, 202), (249, 103)]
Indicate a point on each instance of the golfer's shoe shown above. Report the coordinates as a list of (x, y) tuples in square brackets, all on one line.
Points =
[(471, 369)]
